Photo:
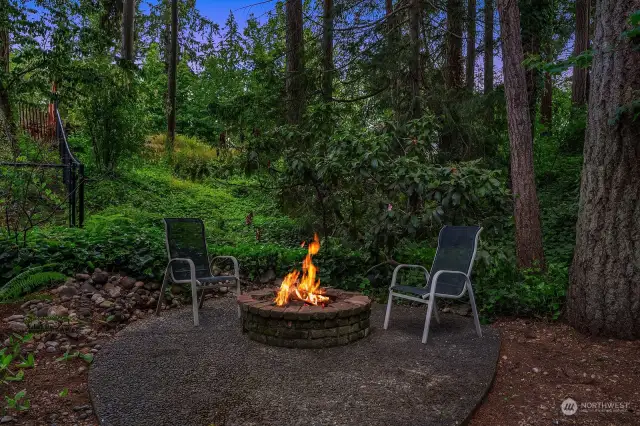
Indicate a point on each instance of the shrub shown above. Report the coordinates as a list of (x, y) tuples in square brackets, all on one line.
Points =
[(192, 159), (503, 290), (380, 187)]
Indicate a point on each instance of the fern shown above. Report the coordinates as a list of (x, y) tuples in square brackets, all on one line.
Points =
[(28, 281)]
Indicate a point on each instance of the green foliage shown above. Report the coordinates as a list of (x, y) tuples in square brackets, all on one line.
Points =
[(9, 361), (633, 34), (18, 402), (502, 290), (30, 280), (88, 358), (376, 187), (192, 158), (109, 112)]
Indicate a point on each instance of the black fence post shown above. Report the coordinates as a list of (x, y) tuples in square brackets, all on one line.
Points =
[(73, 186), (81, 196)]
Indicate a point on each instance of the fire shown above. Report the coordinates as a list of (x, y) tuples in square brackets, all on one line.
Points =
[(304, 287)]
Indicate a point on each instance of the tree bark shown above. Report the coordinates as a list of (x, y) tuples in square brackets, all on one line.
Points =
[(546, 105), (393, 34), (579, 89), (414, 59), (471, 45), (128, 19), (327, 51), (527, 215), (5, 103), (488, 46), (532, 27), (453, 72), (604, 280), (295, 62), (172, 77)]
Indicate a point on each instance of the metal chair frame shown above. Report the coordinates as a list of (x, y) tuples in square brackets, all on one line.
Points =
[(193, 281), (430, 298)]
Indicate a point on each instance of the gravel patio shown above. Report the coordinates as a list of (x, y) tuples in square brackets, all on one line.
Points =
[(163, 371)]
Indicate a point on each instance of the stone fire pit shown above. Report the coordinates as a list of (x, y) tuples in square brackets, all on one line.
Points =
[(298, 325)]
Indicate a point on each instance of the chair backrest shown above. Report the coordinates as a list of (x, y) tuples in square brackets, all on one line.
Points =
[(457, 247), (185, 239)]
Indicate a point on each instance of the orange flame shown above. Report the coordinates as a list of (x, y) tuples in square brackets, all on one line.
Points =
[(304, 288)]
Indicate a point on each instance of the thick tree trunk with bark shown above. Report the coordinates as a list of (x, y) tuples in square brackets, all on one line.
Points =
[(128, 19), (604, 281), (527, 214), (453, 72), (546, 105), (579, 85), (471, 45), (414, 59), (295, 62), (173, 68), (488, 46), (327, 51)]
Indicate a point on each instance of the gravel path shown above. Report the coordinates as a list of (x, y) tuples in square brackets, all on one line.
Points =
[(163, 371)]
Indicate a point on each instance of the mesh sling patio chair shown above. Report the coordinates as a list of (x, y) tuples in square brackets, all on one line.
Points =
[(450, 276), (189, 262)]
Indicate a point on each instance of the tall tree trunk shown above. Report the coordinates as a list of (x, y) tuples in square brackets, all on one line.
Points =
[(579, 89), (414, 59), (5, 104), (453, 72), (488, 46), (327, 51), (546, 105), (128, 19), (527, 215), (171, 92), (532, 26), (295, 62), (471, 45), (604, 280), (393, 34)]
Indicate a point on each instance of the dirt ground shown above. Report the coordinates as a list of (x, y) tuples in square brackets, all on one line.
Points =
[(541, 365)]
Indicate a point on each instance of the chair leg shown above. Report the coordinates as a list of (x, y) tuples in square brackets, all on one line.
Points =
[(389, 303), (474, 309), (435, 311), (425, 333), (162, 289), (238, 295), (194, 302), (201, 299)]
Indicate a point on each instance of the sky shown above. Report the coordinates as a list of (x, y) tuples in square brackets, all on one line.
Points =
[(218, 10)]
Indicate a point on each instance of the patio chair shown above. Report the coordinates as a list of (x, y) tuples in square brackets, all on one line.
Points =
[(189, 262), (449, 278)]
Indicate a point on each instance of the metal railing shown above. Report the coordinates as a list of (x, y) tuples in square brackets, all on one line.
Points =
[(73, 173)]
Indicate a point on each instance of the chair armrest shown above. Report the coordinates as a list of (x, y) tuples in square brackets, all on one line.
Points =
[(445, 271), (236, 266), (192, 267), (399, 267)]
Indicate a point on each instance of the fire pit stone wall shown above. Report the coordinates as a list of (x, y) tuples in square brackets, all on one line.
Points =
[(298, 325)]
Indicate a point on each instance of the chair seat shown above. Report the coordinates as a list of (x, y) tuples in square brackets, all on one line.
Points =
[(206, 281), (420, 291), (443, 289)]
